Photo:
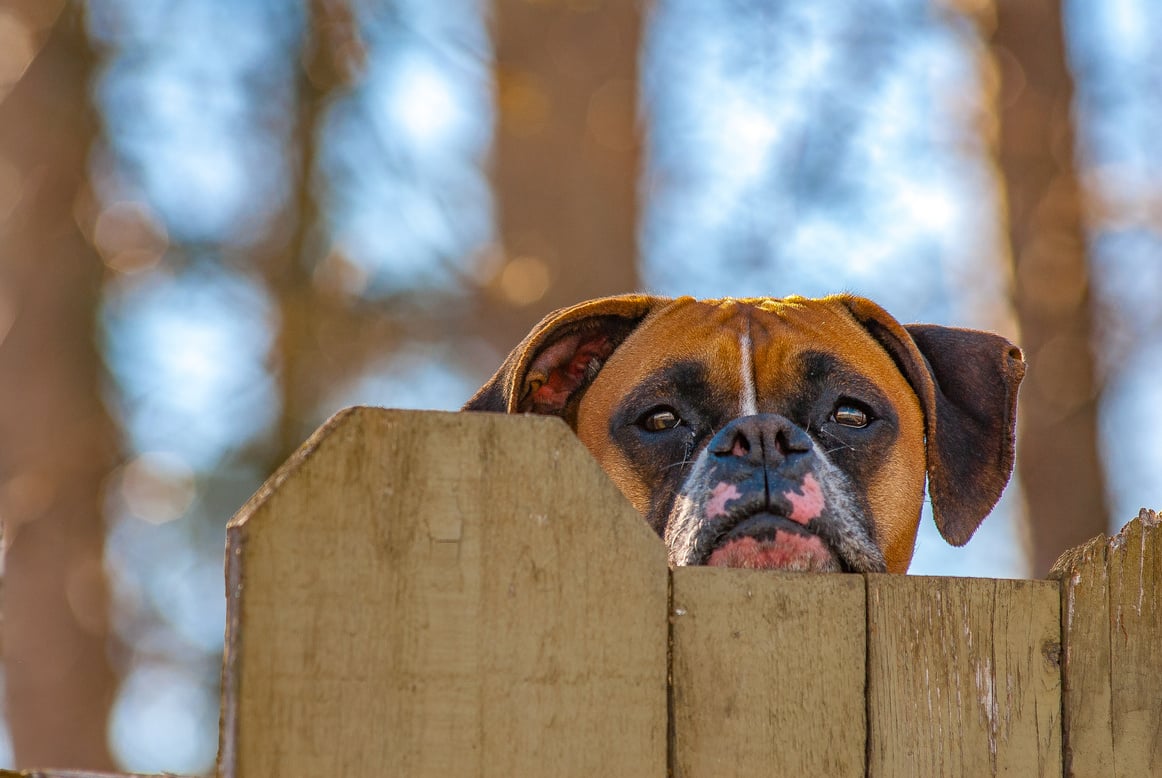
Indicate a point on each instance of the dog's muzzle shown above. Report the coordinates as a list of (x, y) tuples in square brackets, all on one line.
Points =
[(755, 499)]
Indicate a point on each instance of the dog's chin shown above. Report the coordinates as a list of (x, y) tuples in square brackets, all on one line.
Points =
[(768, 542)]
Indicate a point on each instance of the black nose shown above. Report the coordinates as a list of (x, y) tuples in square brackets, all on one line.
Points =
[(765, 438)]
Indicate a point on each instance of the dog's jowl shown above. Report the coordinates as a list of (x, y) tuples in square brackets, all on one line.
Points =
[(791, 434)]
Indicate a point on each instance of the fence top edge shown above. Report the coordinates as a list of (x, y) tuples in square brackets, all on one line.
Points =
[(291, 465), (550, 429), (547, 431), (554, 431), (1096, 550)]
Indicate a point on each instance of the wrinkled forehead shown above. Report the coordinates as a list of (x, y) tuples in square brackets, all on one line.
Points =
[(778, 333)]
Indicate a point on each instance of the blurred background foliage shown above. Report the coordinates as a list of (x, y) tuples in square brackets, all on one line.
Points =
[(222, 220)]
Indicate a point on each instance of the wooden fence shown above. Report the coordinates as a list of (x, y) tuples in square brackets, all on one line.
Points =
[(440, 594)]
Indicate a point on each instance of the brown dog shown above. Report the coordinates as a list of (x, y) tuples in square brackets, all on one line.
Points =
[(787, 433)]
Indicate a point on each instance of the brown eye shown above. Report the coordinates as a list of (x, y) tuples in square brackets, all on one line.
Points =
[(850, 415), (660, 419)]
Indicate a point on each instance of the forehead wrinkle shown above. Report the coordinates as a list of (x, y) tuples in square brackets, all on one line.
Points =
[(687, 332), (764, 340), (718, 333), (693, 330), (804, 325)]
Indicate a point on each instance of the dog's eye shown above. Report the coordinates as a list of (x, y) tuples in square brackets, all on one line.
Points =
[(851, 415), (660, 419)]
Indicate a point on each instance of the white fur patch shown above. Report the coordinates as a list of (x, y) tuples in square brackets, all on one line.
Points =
[(750, 404)]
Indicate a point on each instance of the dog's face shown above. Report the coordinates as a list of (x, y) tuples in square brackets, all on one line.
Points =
[(787, 434), (771, 435)]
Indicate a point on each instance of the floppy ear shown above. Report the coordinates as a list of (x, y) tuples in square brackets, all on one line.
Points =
[(551, 368), (967, 384)]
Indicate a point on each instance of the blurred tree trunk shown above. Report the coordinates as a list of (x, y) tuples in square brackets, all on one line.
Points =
[(566, 164), (1058, 461), (58, 440), (312, 327)]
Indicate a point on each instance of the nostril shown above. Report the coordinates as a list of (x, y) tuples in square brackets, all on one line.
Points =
[(764, 439), (791, 441), (731, 445)]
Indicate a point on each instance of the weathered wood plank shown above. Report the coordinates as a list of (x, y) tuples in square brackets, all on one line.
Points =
[(1085, 692), (768, 674), (1112, 673), (443, 594), (963, 677), (1134, 560)]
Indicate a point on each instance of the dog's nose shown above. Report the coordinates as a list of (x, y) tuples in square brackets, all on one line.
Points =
[(763, 438)]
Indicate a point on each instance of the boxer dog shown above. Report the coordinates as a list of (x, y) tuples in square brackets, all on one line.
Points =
[(790, 434)]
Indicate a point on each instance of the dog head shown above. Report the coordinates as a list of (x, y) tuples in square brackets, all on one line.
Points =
[(789, 433)]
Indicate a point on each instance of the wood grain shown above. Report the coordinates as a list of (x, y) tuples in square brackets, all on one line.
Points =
[(434, 594), (1134, 560), (768, 673), (1112, 628), (1085, 694), (963, 677)]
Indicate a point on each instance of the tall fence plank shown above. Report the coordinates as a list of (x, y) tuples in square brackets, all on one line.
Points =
[(1085, 694), (1113, 652), (768, 673), (963, 677), (443, 594), (1135, 565)]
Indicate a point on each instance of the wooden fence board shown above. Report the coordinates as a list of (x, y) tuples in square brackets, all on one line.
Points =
[(1134, 560), (963, 677), (768, 674), (443, 594), (1085, 694), (1112, 673)]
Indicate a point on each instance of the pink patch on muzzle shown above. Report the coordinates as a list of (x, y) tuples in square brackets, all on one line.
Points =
[(716, 505), (786, 551), (806, 504)]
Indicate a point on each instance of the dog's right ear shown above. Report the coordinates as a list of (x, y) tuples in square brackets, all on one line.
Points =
[(550, 369)]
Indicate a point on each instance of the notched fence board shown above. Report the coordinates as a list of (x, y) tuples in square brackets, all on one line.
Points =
[(1085, 628), (963, 677), (443, 594), (768, 673), (1134, 560), (1112, 628)]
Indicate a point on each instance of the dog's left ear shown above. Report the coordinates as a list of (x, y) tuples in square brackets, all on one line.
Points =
[(550, 369), (967, 384)]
